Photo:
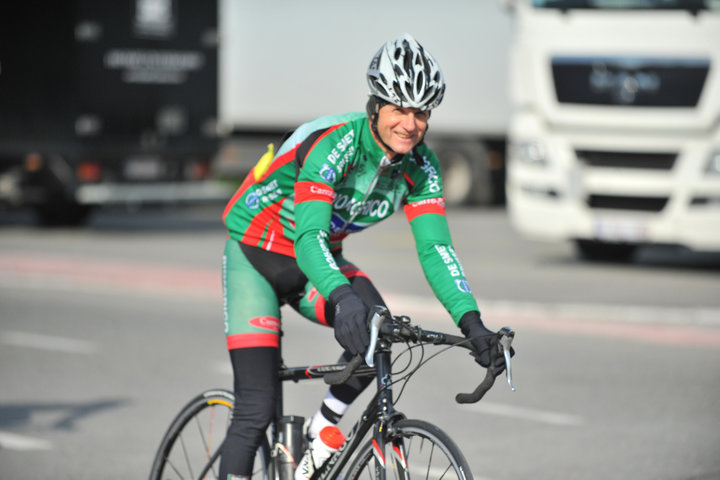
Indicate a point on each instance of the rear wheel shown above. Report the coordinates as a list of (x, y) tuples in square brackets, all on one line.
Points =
[(191, 447), (429, 453)]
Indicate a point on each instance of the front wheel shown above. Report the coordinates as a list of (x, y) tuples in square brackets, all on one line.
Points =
[(417, 449), (191, 447)]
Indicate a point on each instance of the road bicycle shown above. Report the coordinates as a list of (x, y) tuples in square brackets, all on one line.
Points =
[(192, 444)]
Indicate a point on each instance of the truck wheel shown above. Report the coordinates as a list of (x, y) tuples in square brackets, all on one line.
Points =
[(594, 250), (466, 179), (62, 214)]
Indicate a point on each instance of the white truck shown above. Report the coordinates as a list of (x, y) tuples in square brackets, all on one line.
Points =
[(284, 62), (614, 138)]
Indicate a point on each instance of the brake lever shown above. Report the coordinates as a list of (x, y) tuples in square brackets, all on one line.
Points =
[(507, 335), (378, 317)]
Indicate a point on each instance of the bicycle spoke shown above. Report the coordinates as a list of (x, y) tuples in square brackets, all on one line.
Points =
[(208, 443), (172, 465), (186, 455), (432, 451), (194, 441), (209, 439)]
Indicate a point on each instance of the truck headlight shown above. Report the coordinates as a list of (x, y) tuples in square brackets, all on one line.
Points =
[(713, 164), (531, 153)]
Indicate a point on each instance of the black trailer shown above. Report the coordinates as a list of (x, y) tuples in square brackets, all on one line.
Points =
[(107, 102)]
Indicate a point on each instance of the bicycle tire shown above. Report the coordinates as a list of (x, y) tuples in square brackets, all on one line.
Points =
[(191, 446), (440, 459)]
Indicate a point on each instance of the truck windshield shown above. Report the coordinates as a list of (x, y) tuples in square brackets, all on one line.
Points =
[(693, 5)]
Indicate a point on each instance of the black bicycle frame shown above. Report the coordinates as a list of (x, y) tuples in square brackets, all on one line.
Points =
[(381, 402), (380, 413)]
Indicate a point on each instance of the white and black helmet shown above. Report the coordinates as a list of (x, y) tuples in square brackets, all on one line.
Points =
[(403, 73)]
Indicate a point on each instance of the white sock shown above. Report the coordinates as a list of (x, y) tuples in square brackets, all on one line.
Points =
[(329, 413)]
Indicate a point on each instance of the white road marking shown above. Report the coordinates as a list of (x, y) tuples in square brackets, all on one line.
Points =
[(678, 327), (13, 441), (58, 274), (48, 342), (531, 414)]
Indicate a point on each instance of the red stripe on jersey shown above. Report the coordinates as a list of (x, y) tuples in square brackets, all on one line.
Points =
[(279, 162), (249, 180), (320, 311), (308, 191), (283, 247), (431, 205), (336, 241), (267, 232), (275, 239), (249, 340), (351, 271), (408, 179), (325, 134), (283, 159), (259, 223)]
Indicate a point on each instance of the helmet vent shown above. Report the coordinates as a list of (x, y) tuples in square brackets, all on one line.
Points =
[(403, 73)]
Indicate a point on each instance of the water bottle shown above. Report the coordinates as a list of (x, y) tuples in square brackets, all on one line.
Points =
[(291, 445), (328, 441)]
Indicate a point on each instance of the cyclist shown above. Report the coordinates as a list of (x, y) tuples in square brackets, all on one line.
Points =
[(334, 176)]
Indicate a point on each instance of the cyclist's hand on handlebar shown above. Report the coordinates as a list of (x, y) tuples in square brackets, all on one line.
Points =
[(483, 340), (351, 314)]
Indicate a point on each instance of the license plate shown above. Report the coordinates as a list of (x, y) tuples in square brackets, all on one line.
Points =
[(144, 168), (620, 229)]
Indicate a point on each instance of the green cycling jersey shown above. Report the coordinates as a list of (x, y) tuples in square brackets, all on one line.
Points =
[(330, 179)]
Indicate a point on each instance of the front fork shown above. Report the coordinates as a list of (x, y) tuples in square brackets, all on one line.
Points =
[(399, 457)]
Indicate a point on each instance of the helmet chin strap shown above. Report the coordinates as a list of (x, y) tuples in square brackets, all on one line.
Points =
[(376, 134), (373, 107)]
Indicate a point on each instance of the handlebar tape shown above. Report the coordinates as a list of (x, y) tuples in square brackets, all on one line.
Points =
[(480, 391), (336, 378), (484, 386)]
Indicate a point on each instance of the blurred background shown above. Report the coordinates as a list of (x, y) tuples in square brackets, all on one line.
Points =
[(580, 148)]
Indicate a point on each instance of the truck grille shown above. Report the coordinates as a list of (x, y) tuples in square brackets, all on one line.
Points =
[(617, 202), (629, 81), (644, 160)]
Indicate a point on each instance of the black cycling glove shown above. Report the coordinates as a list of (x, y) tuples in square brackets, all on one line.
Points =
[(351, 329), (483, 340)]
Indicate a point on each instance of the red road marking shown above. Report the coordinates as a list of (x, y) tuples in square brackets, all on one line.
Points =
[(114, 274), (207, 283)]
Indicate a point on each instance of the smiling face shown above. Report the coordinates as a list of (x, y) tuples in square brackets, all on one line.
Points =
[(401, 128)]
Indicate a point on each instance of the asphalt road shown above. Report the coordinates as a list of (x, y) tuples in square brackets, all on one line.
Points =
[(106, 331)]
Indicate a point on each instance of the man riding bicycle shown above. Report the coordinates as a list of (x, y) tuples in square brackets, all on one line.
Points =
[(334, 176)]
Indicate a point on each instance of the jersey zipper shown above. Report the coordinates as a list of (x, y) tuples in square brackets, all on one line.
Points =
[(384, 163)]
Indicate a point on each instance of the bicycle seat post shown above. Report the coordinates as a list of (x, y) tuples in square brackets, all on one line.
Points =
[(279, 402), (287, 431), (290, 445)]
